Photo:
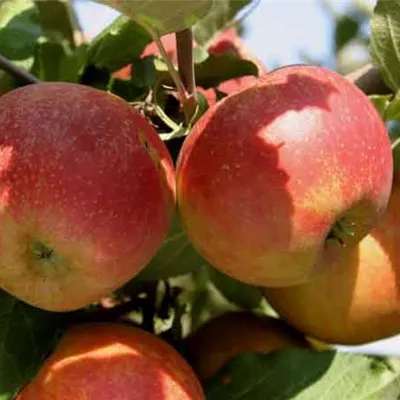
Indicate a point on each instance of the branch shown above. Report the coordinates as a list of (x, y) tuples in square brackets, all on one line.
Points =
[(369, 80), (16, 71)]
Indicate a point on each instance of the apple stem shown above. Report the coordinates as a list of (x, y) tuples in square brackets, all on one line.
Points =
[(184, 46), (19, 73), (172, 71)]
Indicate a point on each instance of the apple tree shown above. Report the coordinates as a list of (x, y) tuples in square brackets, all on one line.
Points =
[(177, 222)]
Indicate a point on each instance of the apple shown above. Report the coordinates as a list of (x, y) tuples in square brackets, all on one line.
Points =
[(357, 299), (277, 179), (113, 361), (87, 194), (234, 333)]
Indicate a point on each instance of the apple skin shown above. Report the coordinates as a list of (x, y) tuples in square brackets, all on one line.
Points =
[(113, 361), (357, 300), (87, 194), (266, 174), (234, 333)]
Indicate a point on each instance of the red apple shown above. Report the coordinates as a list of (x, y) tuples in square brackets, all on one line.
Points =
[(234, 333), (357, 300), (86, 194), (277, 179), (111, 361)]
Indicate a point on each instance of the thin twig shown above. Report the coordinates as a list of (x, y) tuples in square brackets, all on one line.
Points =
[(184, 46), (16, 71)]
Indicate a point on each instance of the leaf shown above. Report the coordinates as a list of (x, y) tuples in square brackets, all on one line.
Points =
[(56, 61), (27, 334), (118, 45), (381, 102), (19, 31), (176, 256), (7, 82), (58, 21), (346, 30), (385, 41), (162, 16), (144, 72), (214, 70), (298, 374), (222, 12), (393, 108), (126, 89), (238, 293), (219, 68)]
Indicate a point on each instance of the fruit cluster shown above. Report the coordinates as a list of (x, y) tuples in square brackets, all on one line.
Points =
[(285, 183)]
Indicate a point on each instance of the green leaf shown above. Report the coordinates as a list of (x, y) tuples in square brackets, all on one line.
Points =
[(7, 82), (19, 31), (58, 21), (144, 72), (306, 375), (27, 334), (176, 256), (346, 30), (381, 102), (238, 293), (393, 108), (214, 70), (56, 61), (126, 89), (162, 16), (385, 41), (222, 12), (220, 68), (118, 45)]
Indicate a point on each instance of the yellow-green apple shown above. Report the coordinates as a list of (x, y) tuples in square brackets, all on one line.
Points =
[(277, 179), (87, 194), (113, 361), (231, 334), (357, 299)]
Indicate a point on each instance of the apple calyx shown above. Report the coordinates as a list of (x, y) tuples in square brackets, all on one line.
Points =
[(342, 229), (42, 252)]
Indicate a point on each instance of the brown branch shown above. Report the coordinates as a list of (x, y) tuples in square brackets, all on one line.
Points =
[(369, 80), (17, 72)]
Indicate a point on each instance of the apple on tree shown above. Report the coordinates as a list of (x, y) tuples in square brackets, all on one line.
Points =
[(106, 361), (87, 194), (276, 180), (234, 333), (357, 299)]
